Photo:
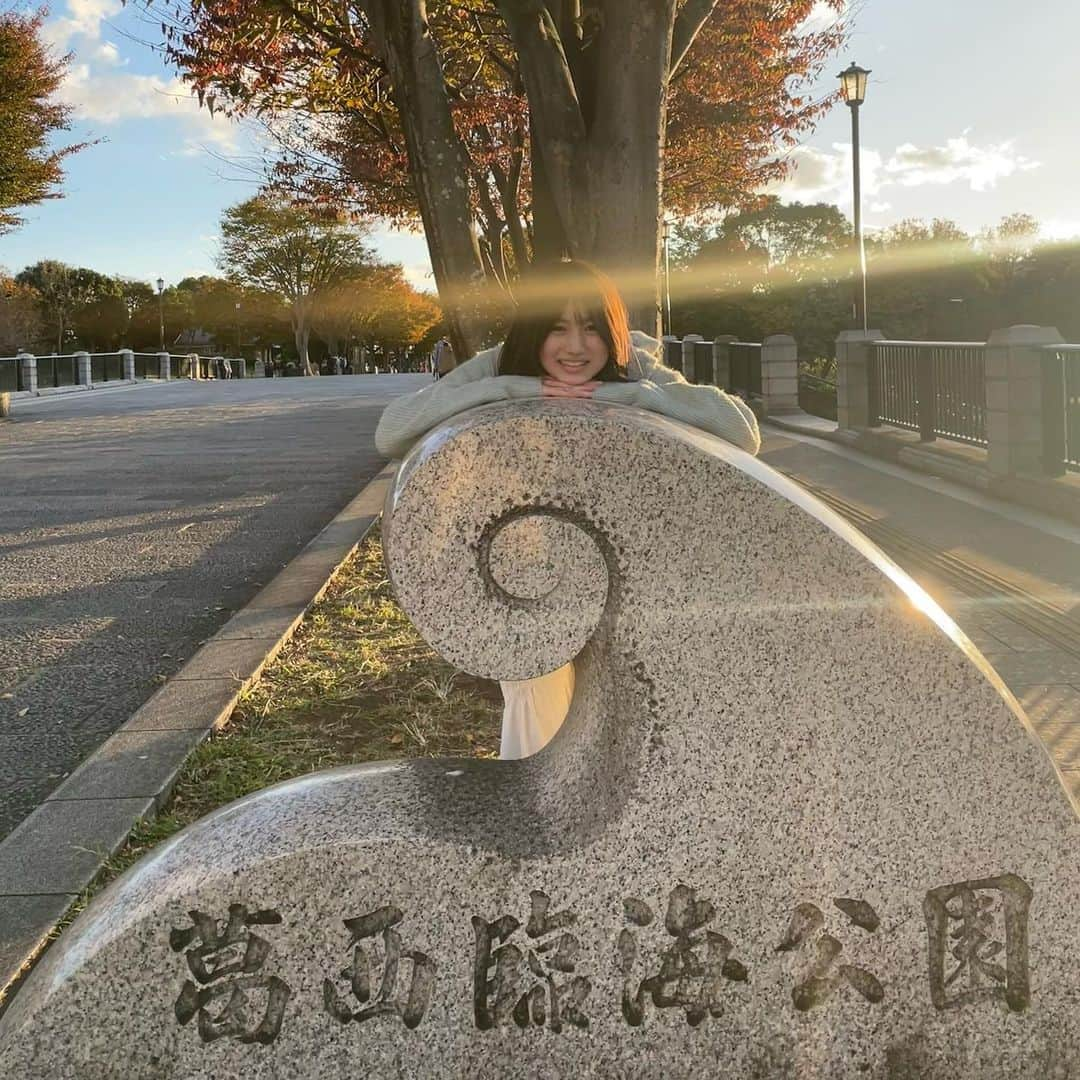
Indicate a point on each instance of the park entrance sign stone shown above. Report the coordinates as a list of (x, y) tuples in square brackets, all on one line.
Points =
[(793, 825)]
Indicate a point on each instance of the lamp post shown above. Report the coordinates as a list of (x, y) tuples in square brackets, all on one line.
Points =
[(161, 313), (238, 328), (667, 277), (853, 86)]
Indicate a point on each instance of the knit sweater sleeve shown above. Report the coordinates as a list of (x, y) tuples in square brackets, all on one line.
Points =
[(473, 383), (662, 389), (704, 407)]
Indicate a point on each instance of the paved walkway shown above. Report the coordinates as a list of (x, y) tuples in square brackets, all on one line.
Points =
[(133, 521), (1009, 577)]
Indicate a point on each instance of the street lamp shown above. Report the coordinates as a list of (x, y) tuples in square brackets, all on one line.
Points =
[(161, 313), (853, 87), (238, 329), (667, 276)]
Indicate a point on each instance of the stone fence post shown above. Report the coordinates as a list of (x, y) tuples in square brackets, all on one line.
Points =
[(83, 372), (688, 356), (721, 360), (779, 374), (164, 365), (28, 363), (127, 359), (853, 359), (1016, 417)]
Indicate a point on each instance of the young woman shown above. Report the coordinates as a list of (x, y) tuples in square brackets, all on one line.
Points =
[(570, 340), (554, 349)]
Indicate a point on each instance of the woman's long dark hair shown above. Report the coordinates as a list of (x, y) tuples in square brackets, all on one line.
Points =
[(542, 300)]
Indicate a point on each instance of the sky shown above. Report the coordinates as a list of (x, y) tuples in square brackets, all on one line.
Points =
[(966, 118)]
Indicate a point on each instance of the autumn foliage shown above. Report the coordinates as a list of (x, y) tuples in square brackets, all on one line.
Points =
[(30, 169), (737, 101)]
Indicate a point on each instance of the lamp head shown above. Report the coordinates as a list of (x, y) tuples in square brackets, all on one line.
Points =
[(853, 84)]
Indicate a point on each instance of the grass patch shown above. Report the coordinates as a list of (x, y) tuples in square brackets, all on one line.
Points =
[(356, 683)]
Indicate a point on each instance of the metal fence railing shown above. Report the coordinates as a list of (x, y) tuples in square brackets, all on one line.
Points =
[(54, 371), (937, 388), (106, 367), (745, 367), (673, 355), (10, 375), (703, 363), (1061, 407), (147, 365), (817, 395)]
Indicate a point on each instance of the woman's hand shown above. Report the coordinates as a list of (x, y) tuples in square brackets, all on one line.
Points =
[(553, 388)]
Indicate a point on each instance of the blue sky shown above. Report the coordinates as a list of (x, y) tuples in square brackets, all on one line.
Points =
[(967, 117)]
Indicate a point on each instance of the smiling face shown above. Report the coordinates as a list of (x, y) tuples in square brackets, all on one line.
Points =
[(574, 350)]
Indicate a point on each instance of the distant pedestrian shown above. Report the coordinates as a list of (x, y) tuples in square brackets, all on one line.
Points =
[(443, 359), (226, 368)]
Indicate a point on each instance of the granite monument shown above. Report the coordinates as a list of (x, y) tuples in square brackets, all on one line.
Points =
[(793, 826)]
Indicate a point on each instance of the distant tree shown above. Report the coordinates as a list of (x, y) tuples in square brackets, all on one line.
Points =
[(1046, 291), (30, 169), (135, 294), (20, 318), (270, 244), (62, 290), (1018, 226), (149, 314), (763, 270), (101, 323), (378, 308)]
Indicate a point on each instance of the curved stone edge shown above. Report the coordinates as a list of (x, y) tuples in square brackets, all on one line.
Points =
[(767, 476), (53, 855)]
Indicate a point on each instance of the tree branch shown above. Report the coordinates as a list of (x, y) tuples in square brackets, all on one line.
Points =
[(688, 23)]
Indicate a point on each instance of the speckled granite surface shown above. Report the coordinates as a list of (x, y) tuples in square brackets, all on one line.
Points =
[(790, 828)]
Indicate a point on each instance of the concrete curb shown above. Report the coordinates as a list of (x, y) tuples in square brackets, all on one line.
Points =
[(59, 393), (51, 856)]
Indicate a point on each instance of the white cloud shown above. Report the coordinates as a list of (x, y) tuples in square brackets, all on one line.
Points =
[(419, 276), (823, 175), (822, 16), (980, 166), (1059, 229), (880, 207), (107, 53), (109, 98), (83, 20), (101, 94), (826, 174)]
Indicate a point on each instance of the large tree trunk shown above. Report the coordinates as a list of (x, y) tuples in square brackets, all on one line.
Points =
[(437, 162), (624, 152), (302, 335), (596, 77)]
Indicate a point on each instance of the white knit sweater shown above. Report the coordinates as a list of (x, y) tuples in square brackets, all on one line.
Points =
[(655, 387)]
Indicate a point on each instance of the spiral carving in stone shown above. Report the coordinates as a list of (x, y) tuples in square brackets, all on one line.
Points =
[(501, 570)]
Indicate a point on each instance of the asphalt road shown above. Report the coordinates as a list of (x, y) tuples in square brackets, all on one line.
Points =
[(133, 522)]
